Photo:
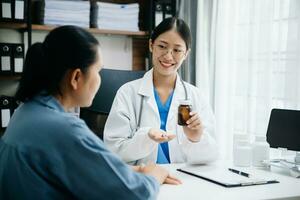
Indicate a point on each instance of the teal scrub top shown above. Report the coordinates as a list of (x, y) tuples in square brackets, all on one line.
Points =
[(47, 153), (163, 156)]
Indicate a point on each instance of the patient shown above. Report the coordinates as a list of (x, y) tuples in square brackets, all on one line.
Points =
[(48, 153)]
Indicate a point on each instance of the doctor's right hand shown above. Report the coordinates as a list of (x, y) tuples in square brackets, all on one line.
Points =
[(160, 136)]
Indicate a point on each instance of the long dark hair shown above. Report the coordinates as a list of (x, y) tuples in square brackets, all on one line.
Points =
[(64, 48), (173, 23)]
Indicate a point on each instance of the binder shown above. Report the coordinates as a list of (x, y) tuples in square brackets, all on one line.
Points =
[(6, 9), (18, 58), (164, 9), (158, 13), (13, 10), (223, 177), (94, 14), (38, 11), (19, 10), (168, 8), (5, 104), (7, 107), (6, 58)]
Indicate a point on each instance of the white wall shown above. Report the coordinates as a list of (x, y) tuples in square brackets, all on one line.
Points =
[(116, 52), (116, 49)]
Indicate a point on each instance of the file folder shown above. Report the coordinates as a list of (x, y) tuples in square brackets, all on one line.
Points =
[(38, 8), (164, 9), (5, 117), (18, 57), (7, 107), (6, 58), (19, 10), (93, 14), (168, 10), (158, 13), (6, 9), (223, 177), (5, 104)]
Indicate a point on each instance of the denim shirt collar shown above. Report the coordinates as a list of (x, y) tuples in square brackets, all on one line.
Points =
[(49, 101)]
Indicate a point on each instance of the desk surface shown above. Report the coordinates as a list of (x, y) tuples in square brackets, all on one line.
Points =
[(196, 188)]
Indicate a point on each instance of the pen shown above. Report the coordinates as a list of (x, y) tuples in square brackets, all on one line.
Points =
[(239, 172)]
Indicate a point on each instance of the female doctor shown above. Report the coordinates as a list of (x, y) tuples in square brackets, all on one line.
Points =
[(142, 124)]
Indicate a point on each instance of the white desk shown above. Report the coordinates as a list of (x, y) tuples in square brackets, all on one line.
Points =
[(196, 188)]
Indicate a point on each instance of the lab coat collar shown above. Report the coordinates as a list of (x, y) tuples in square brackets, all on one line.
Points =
[(146, 88)]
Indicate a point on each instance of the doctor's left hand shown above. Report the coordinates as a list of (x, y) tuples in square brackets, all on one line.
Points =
[(160, 136), (194, 128)]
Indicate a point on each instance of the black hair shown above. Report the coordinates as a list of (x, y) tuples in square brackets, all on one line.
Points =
[(64, 48), (173, 23)]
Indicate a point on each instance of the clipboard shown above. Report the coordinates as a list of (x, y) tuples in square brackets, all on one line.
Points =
[(224, 177)]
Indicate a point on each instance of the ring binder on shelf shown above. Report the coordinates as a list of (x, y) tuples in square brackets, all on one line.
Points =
[(38, 13), (168, 10), (164, 9), (93, 14), (13, 10), (5, 111), (18, 55), (19, 10), (6, 58), (12, 58), (158, 13), (6, 9), (7, 107), (5, 117)]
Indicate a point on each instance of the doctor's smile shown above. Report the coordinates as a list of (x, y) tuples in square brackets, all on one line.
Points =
[(166, 64)]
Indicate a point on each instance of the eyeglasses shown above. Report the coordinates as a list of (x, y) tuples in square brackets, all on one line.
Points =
[(177, 53)]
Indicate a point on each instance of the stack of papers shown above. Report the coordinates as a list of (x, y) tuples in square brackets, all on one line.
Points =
[(118, 16), (63, 12)]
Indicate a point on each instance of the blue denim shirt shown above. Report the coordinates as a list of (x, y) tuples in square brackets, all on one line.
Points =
[(47, 153)]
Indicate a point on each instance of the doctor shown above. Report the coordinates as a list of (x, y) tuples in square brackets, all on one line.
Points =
[(142, 124)]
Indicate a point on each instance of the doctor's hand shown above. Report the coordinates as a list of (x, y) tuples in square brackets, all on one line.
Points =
[(160, 136), (194, 128), (159, 173)]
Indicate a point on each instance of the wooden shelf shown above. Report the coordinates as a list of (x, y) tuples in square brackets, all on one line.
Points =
[(116, 32), (10, 77), (94, 30), (37, 27), (10, 25)]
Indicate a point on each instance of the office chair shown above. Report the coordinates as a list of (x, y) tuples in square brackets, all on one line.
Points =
[(111, 80)]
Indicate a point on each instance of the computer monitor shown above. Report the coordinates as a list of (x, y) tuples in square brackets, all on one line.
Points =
[(284, 129)]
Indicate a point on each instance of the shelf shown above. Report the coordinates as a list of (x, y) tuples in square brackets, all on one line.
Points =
[(9, 25), (115, 32), (10, 77), (94, 30), (37, 27)]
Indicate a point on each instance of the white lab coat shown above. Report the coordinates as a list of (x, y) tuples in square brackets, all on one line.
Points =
[(135, 146)]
